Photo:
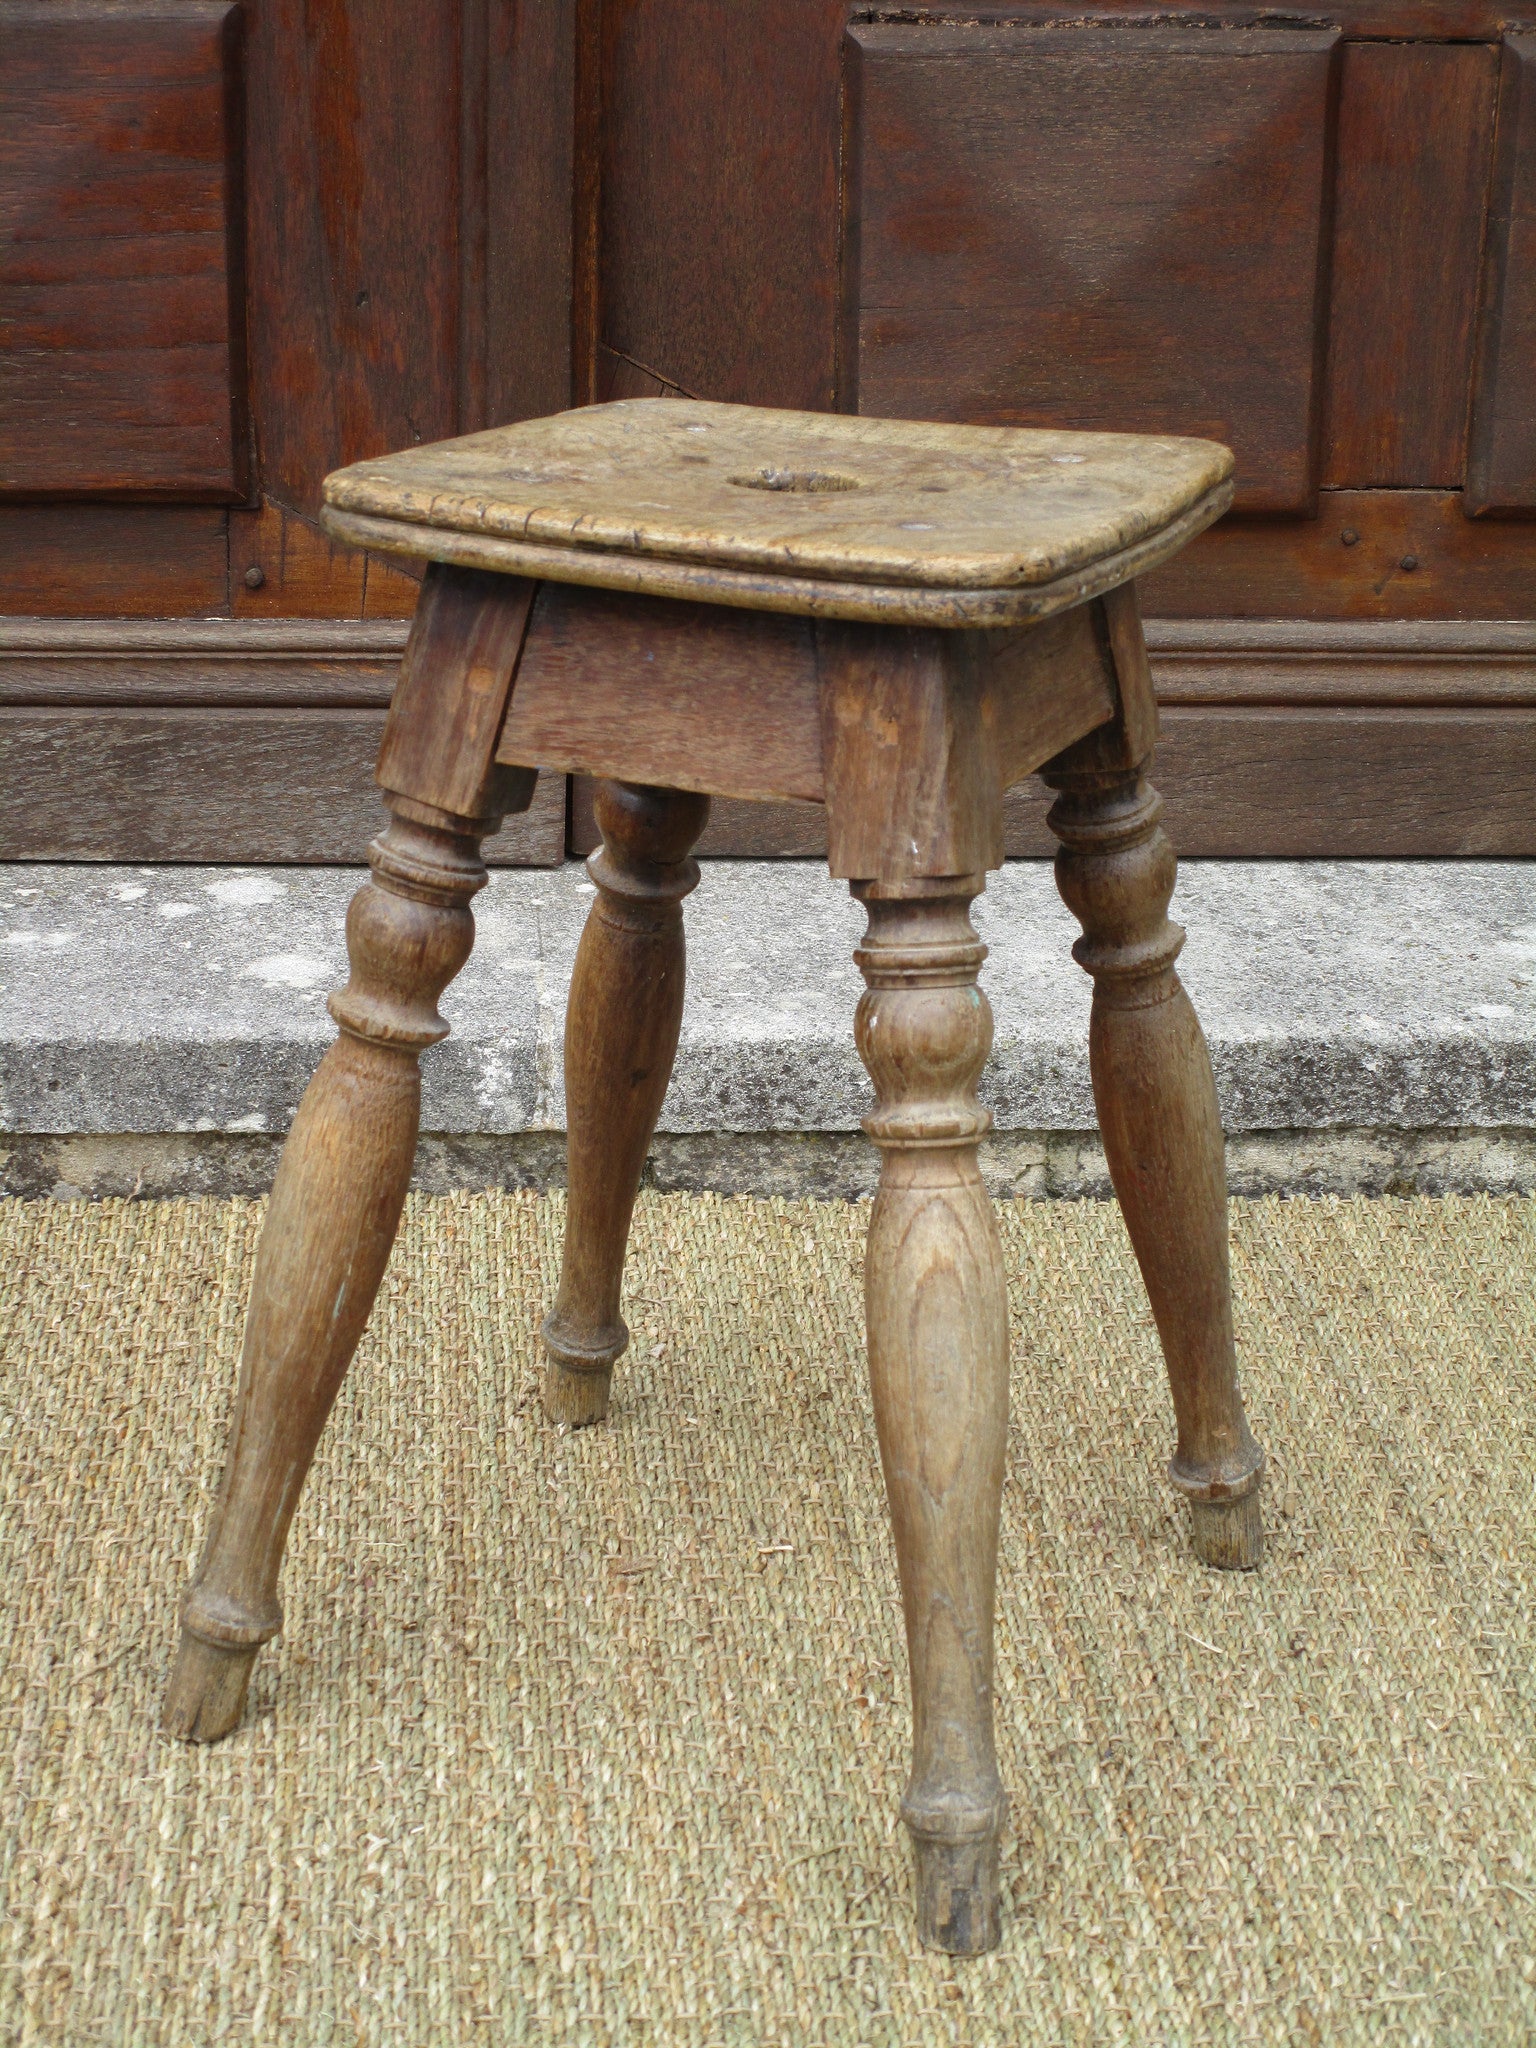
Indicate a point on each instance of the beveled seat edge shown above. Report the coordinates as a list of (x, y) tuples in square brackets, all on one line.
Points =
[(754, 590)]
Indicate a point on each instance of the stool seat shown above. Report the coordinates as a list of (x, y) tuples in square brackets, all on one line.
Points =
[(893, 521)]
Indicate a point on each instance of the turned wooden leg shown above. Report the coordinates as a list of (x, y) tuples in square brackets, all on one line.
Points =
[(621, 1025), (937, 1314), (335, 1208), (1162, 1135)]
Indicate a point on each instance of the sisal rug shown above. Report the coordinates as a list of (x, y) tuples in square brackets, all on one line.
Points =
[(598, 1739)]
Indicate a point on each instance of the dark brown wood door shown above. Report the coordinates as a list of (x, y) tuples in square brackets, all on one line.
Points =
[(1313, 239), (240, 245)]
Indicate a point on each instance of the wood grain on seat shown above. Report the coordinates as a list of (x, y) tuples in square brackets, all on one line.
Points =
[(821, 514)]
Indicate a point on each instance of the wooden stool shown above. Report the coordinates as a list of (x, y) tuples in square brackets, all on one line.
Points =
[(897, 621)]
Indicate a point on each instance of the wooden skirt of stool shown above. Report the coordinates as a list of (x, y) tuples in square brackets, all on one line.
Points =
[(907, 732)]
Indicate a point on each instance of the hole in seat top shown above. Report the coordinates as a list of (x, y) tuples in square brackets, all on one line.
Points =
[(795, 480)]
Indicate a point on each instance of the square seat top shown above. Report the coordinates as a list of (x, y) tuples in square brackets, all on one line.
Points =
[(891, 520)]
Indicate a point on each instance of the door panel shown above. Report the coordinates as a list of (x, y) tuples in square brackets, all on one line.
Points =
[(718, 142), (121, 322), (354, 233), (1098, 227), (1415, 152), (1501, 475), (113, 561)]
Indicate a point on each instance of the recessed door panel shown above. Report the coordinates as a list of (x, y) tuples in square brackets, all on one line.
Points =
[(1501, 465), (120, 314), (1415, 145), (1112, 227)]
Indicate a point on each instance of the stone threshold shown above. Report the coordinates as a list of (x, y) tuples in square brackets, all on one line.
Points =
[(1372, 1026), (826, 1165)]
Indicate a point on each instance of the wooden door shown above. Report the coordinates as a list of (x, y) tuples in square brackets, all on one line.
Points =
[(240, 245), (1313, 239)]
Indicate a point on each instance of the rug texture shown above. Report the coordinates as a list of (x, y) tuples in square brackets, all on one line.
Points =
[(599, 1738)]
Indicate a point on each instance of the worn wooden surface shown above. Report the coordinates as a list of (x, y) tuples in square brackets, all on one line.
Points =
[(888, 604), (439, 744), (914, 784), (1042, 682), (936, 1304), (796, 495), (674, 694), (1097, 230), (1134, 724), (122, 314), (1156, 1101), (1414, 149), (347, 1161), (1501, 474), (622, 1019), (334, 1211), (795, 512), (702, 696)]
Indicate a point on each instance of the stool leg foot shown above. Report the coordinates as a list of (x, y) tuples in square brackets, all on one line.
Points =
[(206, 1694), (1228, 1534), (574, 1394), (1161, 1126), (937, 1313), (334, 1211), (959, 1906), (621, 1025)]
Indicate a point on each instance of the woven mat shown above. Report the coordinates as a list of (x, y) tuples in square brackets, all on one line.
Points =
[(599, 1738)]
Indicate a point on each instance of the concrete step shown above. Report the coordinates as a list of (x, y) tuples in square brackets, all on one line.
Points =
[(1372, 1025)]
